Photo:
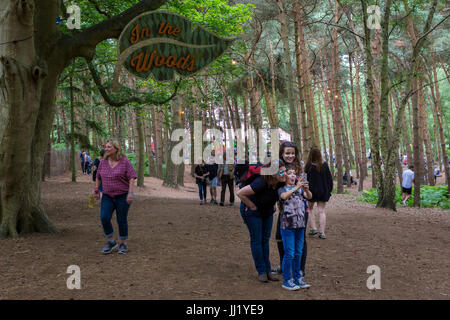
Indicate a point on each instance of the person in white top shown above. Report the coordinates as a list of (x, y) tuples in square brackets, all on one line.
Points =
[(408, 180)]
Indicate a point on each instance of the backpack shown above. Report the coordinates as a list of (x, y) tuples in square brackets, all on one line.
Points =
[(247, 173)]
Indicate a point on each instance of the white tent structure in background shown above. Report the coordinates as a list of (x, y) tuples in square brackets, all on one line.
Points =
[(284, 136)]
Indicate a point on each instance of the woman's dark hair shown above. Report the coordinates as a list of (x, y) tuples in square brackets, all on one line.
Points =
[(290, 166), (270, 180), (315, 156), (289, 144)]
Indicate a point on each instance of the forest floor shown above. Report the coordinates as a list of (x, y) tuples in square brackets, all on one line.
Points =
[(181, 250)]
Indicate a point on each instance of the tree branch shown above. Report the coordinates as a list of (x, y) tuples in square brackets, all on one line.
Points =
[(83, 44), (132, 99)]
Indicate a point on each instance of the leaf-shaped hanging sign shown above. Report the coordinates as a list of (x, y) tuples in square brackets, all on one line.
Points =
[(161, 43)]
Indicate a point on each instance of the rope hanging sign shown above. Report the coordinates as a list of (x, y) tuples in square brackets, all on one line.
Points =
[(160, 44)]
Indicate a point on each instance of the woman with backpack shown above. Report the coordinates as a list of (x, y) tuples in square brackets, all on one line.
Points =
[(321, 185), (257, 208)]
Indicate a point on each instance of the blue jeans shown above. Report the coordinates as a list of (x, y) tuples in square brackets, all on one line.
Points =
[(260, 228), (109, 204), (293, 246), (202, 190)]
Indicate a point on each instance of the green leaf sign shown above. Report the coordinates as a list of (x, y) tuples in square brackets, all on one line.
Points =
[(161, 43)]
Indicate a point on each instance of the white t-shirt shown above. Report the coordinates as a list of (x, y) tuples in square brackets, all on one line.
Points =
[(407, 178)]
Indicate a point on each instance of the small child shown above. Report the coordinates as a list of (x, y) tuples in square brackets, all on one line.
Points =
[(292, 227)]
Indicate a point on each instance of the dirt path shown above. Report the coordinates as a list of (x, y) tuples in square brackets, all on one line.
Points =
[(181, 250)]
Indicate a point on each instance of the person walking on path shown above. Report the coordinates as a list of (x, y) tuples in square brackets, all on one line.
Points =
[(290, 154), (293, 224), (87, 163), (226, 176), (212, 168), (257, 207), (321, 184), (82, 157), (95, 168), (200, 174), (117, 176), (407, 183)]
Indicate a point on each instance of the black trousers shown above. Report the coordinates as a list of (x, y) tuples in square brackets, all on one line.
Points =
[(226, 180)]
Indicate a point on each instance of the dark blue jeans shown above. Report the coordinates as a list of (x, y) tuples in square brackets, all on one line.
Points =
[(293, 247), (109, 204), (260, 228), (202, 190)]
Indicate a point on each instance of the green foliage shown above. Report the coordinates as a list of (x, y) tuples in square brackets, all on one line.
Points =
[(218, 16), (96, 126), (59, 146), (132, 158), (83, 140), (430, 197)]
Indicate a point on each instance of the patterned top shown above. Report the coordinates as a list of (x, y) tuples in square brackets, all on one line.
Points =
[(116, 181), (293, 212)]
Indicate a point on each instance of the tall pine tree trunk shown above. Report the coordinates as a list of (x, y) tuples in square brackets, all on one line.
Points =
[(293, 120), (440, 124)]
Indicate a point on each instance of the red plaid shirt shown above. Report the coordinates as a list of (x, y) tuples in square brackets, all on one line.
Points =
[(116, 181)]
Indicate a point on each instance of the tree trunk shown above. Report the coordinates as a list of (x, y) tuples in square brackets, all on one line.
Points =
[(270, 103), (417, 147), (425, 134), (22, 78), (182, 124), (192, 118), (377, 176), (440, 125), (324, 146), (293, 122), (72, 132), (140, 152), (158, 141), (302, 111), (336, 104), (129, 131), (245, 111), (171, 177), (303, 73), (363, 156), (354, 123), (346, 149), (149, 138)]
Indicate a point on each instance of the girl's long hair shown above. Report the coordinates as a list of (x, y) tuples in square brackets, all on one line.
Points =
[(315, 156), (289, 144)]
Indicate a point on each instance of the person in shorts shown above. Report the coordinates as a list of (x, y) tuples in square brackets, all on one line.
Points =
[(407, 183), (212, 168)]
